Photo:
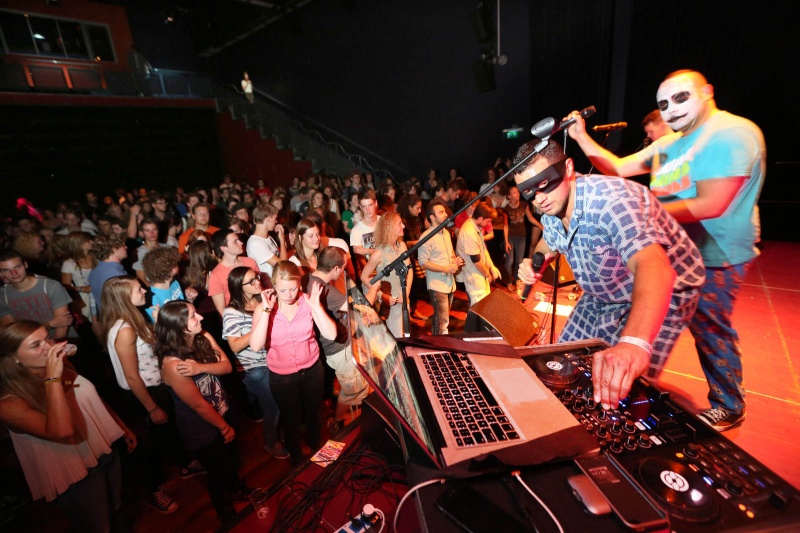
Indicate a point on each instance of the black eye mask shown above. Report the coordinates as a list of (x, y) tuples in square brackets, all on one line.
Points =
[(552, 175)]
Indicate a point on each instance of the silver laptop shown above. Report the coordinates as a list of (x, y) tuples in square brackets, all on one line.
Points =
[(459, 405)]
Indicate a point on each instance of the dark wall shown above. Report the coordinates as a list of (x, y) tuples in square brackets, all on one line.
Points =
[(395, 77), (52, 154)]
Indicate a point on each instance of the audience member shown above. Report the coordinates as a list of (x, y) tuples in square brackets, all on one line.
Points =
[(190, 362), (76, 269), (353, 387), (62, 431), (441, 264), (389, 246), (228, 249), (201, 215), (285, 322), (478, 271), (109, 252), (30, 297), (147, 405), (161, 268), (261, 246), (244, 285), (517, 210), (149, 230)]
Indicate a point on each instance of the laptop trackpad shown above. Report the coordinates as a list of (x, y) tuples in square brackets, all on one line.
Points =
[(517, 385)]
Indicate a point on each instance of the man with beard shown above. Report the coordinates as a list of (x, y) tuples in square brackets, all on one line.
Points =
[(639, 271)]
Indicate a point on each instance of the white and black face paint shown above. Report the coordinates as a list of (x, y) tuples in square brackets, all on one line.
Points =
[(681, 103)]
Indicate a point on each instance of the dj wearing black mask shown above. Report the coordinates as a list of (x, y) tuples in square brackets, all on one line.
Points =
[(639, 271)]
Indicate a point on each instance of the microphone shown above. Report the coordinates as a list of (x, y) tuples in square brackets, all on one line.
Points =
[(536, 264), (611, 127), (547, 127)]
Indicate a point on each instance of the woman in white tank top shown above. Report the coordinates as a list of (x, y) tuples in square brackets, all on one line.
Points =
[(61, 430)]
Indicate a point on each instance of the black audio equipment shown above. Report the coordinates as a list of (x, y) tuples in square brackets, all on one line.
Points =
[(701, 479)]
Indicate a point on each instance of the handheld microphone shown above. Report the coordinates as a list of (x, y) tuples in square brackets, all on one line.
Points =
[(536, 264), (610, 127), (547, 127)]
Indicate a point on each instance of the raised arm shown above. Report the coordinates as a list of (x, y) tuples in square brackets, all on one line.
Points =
[(56, 423), (323, 321), (261, 317), (603, 160)]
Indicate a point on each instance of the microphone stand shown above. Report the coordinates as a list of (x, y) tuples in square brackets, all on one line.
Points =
[(399, 264), (554, 303)]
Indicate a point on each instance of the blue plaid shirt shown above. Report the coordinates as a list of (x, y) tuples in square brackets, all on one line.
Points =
[(612, 220)]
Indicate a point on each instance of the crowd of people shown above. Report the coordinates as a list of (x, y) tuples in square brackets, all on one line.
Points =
[(191, 308)]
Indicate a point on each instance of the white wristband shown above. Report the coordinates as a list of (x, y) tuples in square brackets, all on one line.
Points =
[(636, 341)]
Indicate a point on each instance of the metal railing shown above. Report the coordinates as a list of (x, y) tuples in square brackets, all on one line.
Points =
[(329, 151)]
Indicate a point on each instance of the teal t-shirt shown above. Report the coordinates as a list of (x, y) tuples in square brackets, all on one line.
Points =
[(725, 146)]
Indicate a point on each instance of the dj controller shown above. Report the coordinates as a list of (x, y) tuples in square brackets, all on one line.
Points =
[(700, 478)]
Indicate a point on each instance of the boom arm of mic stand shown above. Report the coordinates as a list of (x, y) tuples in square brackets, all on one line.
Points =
[(449, 222)]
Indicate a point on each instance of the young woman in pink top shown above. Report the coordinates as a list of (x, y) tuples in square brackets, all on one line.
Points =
[(284, 325)]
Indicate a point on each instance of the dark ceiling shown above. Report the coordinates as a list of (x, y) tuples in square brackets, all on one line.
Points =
[(214, 25)]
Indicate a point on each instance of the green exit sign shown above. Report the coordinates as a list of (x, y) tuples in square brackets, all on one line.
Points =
[(512, 133)]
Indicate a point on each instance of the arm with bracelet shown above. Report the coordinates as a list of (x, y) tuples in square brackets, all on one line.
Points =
[(615, 369)]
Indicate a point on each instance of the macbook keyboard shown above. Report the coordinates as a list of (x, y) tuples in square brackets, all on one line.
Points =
[(473, 414)]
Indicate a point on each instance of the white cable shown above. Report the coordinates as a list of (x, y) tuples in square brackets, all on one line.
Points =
[(409, 493), (383, 519), (546, 508)]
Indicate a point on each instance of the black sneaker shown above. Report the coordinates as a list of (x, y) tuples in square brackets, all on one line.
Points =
[(720, 419), (162, 502), (192, 469)]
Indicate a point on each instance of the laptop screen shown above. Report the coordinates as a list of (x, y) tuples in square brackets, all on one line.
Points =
[(381, 359)]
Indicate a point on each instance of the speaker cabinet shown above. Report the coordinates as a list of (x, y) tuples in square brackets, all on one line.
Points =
[(505, 314), (565, 275)]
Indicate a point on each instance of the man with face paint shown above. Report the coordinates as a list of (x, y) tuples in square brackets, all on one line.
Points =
[(639, 270), (709, 178)]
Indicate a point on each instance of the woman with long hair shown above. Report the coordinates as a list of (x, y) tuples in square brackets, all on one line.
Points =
[(62, 431), (76, 268), (245, 287), (307, 236), (190, 362), (129, 340), (388, 246), (410, 208), (320, 203), (284, 322)]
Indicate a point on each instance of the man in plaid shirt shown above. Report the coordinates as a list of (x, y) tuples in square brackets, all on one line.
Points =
[(639, 270)]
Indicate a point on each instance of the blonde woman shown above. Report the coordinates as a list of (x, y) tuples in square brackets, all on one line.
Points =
[(129, 340), (284, 324), (389, 246)]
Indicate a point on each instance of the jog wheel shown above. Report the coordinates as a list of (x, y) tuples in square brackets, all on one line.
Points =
[(556, 370), (678, 489)]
